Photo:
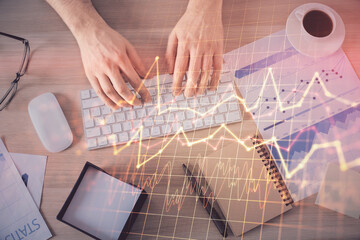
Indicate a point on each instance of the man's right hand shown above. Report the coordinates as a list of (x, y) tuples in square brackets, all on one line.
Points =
[(106, 55)]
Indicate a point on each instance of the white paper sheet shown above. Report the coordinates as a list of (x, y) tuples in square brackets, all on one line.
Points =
[(19, 216), (32, 170)]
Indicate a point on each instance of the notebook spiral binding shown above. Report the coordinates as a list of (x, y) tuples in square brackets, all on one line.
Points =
[(273, 171)]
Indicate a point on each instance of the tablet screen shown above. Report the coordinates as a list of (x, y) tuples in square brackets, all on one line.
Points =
[(101, 205)]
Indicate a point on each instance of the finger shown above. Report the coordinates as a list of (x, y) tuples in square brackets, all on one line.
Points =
[(181, 65), (193, 74), (110, 91), (96, 85), (205, 73), (116, 78), (135, 60), (136, 83), (171, 52), (217, 66)]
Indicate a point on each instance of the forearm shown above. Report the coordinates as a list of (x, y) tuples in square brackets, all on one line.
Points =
[(199, 6), (79, 15)]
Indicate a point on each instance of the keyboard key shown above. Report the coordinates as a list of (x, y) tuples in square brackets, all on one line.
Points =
[(99, 121), (93, 102), (125, 109), (123, 137), (86, 114), (173, 107), (152, 91), (190, 114), (106, 130), (168, 98), (112, 138), (219, 119), (95, 112), (152, 111), (130, 115), (225, 78), (102, 140), (91, 143), (141, 113), (228, 96), (109, 119), (145, 133), (180, 116), (208, 121), (93, 93), (233, 106), (233, 116), (92, 132), (204, 101), (193, 103), (155, 131), (127, 126), (134, 135), (105, 110), (159, 120), (89, 123), (120, 117), (163, 109), (116, 127), (85, 94), (175, 127), (223, 88), (148, 122), (198, 123), (182, 104), (170, 118), (222, 108), (137, 123), (187, 125), (202, 110), (166, 129), (214, 99), (180, 98)]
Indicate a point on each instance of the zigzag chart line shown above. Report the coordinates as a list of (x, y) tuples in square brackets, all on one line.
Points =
[(288, 174)]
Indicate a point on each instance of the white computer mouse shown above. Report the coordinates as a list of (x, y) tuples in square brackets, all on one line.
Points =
[(50, 122)]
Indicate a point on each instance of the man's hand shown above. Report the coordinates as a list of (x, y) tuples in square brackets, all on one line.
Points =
[(196, 45), (106, 55)]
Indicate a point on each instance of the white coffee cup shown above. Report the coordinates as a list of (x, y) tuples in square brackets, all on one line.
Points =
[(302, 12), (315, 30)]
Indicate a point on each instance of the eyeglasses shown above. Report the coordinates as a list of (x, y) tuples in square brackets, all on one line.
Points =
[(10, 93)]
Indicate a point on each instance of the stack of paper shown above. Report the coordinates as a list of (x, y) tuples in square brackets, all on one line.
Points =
[(19, 215)]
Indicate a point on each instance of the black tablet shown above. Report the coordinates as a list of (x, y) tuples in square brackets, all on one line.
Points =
[(102, 206)]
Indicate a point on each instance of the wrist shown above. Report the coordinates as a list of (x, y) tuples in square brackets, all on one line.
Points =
[(205, 6), (86, 27)]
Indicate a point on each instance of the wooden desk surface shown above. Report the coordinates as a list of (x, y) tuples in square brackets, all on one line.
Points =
[(56, 67)]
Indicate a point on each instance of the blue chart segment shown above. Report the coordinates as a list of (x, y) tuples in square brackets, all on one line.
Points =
[(265, 63), (344, 127)]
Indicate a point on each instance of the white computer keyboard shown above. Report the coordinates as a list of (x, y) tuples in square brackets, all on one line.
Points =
[(164, 116)]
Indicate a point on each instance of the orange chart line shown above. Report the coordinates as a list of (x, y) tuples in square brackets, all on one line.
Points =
[(288, 174)]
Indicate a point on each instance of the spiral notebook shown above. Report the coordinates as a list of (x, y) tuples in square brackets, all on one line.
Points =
[(246, 184)]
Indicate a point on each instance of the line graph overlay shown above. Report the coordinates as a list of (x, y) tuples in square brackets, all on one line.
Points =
[(269, 77)]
